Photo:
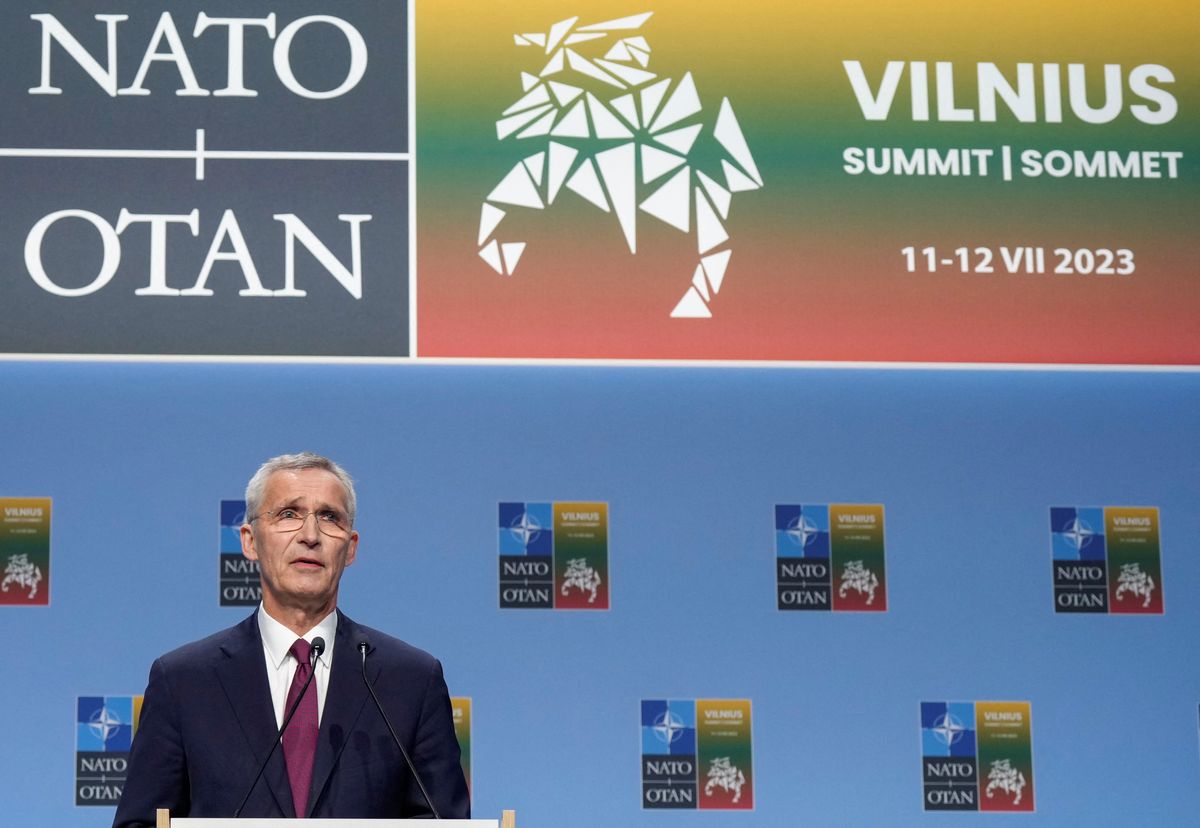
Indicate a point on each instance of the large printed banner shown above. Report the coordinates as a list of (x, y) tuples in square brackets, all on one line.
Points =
[(916, 182), (204, 177), (876, 181)]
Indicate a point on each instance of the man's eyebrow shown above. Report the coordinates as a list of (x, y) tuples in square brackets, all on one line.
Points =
[(321, 505)]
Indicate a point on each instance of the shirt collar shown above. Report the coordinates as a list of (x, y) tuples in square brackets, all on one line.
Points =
[(278, 639)]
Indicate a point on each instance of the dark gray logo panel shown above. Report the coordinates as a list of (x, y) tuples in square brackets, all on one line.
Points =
[(205, 178)]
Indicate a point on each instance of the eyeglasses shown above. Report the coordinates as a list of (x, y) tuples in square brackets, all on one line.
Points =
[(329, 522)]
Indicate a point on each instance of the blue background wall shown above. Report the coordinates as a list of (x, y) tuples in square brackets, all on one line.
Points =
[(691, 462)]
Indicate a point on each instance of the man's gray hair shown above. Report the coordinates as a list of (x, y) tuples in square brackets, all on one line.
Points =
[(295, 462)]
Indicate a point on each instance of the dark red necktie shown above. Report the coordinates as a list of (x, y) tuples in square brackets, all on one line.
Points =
[(300, 740)]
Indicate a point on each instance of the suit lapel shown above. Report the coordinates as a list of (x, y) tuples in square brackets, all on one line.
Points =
[(344, 701), (243, 677)]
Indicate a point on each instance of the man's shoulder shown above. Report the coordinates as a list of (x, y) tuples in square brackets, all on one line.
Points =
[(212, 647), (386, 647)]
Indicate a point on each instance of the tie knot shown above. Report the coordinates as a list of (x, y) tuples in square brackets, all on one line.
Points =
[(301, 651)]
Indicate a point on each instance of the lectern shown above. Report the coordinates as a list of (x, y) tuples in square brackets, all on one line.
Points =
[(508, 819)]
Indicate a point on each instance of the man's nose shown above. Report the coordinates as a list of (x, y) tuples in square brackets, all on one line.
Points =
[(310, 533)]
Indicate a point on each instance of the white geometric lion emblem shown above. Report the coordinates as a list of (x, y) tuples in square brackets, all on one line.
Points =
[(616, 134), (1135, 582), (582, 577), (1007, 778), (21, 571), (727, 777), (860, 579)]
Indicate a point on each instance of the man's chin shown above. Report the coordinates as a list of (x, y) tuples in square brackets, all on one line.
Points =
[(305, 593)]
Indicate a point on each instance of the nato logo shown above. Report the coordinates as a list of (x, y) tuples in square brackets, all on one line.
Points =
[(803, 577), (802, 531), (669, 754), (104, 729), (238, 584), (668, 727), (527, 529), (526, 543), (949, 765)]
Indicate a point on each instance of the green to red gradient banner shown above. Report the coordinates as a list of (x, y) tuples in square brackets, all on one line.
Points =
[(926, 182), (460, 706), (1135, 583), (1004, 732), (724, 755), (25, 551), (581, 578), (856, 545)]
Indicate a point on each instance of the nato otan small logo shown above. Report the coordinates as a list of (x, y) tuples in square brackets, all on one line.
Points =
[(238, 583), (697, 754), (104, 730), (553, 555), (1106, 559), (830, 557), (977, 756)]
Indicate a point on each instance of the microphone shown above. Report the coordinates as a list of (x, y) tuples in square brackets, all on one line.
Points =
[(362, 648), (318, 647)]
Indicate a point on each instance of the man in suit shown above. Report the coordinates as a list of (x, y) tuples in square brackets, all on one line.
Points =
[(213, 708)]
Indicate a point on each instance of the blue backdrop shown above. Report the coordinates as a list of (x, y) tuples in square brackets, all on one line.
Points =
[(691, 462)]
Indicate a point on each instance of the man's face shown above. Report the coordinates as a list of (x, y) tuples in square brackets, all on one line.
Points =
[(300, 568)]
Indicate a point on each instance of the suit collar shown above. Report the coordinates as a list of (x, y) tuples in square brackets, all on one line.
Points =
[(243, 677), (343, 705)]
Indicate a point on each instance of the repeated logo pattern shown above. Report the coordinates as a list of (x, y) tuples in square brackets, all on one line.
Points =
[(697, 753)]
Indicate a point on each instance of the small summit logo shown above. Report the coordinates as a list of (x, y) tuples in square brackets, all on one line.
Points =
[(104, 730), (553, 555), (460, 707), (24, 551), (977, 756), (238, 582), (697, 754), (830, 557), (1106, 559)]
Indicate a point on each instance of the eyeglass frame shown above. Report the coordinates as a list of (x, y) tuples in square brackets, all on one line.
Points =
[(304, 515)]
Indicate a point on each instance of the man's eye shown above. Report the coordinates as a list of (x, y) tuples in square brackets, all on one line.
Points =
[(329, 517), (286, 513)]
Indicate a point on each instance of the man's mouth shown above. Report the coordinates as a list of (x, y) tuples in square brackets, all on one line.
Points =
[(308, 563)]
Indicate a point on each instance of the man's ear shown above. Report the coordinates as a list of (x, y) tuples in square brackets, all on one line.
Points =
[(247, 535)]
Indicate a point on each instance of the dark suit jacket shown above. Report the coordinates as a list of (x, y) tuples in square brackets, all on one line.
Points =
[(207, 723)]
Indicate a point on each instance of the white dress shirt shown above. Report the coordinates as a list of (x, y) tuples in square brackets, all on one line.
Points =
[(281, 666)]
